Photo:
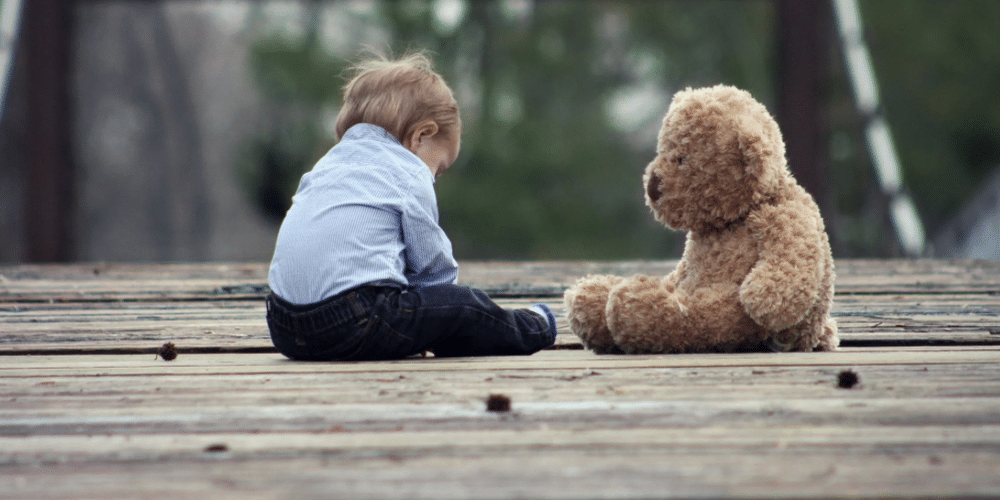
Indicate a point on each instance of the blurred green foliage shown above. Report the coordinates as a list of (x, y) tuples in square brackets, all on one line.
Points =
[(544, 170), (939, 70), (561, 101), (555, 177)]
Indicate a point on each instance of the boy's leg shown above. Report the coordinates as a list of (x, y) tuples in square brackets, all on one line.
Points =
[(453, 320), (343, 328)]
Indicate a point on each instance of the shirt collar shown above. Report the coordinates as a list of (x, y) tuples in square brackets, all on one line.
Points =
[(363, 131), (369, 131)]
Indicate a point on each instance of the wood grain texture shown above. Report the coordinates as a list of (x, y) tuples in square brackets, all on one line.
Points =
[(88, 411), (581, 426)]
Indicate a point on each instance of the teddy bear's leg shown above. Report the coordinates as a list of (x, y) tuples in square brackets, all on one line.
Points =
[(585, 306), (646, 315)]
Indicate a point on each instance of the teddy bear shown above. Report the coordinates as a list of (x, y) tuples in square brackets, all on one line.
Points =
[(756, 273)]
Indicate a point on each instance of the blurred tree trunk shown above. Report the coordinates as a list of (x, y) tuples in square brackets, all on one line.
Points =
[(49, 200), (144, 193), (803, 28)]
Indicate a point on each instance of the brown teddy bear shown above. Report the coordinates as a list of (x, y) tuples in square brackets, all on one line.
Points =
[(757, 271)]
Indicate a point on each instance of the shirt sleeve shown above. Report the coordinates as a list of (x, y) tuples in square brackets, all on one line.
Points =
[(429, 258)]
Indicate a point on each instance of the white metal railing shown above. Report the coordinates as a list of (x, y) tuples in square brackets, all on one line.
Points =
[(10, 17), (905, 219)]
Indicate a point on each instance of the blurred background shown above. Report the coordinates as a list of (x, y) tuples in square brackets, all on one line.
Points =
[(178, 130)]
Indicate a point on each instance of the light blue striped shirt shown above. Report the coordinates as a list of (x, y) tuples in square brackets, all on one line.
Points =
[(366, 213)]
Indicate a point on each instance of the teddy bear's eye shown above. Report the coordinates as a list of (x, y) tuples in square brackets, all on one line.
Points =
[(681, 160)]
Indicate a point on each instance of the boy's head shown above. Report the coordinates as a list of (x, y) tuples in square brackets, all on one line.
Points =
[(404, 96)]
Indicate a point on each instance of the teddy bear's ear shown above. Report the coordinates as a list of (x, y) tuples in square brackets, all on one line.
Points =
[(758, 151)]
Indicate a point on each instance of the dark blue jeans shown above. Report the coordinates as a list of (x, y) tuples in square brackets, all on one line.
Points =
[(370, 323)]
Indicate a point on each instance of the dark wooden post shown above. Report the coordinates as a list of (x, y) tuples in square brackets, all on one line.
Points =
[(49, 197), (801, 53)]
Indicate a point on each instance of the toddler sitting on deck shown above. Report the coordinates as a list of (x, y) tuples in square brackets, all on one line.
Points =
[(361, 268)]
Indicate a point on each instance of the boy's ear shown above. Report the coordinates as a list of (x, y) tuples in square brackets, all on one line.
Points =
[(425, 130)]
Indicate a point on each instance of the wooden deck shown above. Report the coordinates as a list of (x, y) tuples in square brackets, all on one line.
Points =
[(87, 409)]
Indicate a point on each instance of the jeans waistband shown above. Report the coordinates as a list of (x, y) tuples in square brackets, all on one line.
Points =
[(331, 312)]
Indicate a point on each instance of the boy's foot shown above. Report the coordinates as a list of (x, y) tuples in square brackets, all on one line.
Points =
[(545, 312)]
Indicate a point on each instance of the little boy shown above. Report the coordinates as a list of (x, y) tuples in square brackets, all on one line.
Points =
[(361, 268)]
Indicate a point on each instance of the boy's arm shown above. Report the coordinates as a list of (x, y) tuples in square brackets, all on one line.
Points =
[(429, 258)]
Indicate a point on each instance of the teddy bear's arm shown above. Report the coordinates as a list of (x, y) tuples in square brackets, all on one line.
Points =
[(785, 282), (670, 281)]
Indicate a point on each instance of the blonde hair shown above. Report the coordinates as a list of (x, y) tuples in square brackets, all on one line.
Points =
[(397, 95)]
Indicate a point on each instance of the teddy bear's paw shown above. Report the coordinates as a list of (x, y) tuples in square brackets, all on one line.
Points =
[(585, 304), (814, 335), (604, 348), (829, 341)]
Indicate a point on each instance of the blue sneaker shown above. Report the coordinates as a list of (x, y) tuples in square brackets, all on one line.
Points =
[(545, 312)]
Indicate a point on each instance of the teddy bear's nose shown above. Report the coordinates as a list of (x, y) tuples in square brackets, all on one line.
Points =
[(653, 188)]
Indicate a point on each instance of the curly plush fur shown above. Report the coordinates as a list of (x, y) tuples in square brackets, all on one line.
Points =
[(757, 271)]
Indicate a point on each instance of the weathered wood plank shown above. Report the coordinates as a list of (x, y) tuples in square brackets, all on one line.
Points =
[(979, 304), (168, 445), (563, 397), (90, 282), (853, 275), (774, 470), (220, 364), (221, 325), (139, 401), (239, 325)]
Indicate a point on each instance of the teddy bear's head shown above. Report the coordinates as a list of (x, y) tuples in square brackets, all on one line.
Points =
[(719, 153)]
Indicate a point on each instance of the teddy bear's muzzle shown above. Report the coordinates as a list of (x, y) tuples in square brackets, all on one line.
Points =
[(653, 188)]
